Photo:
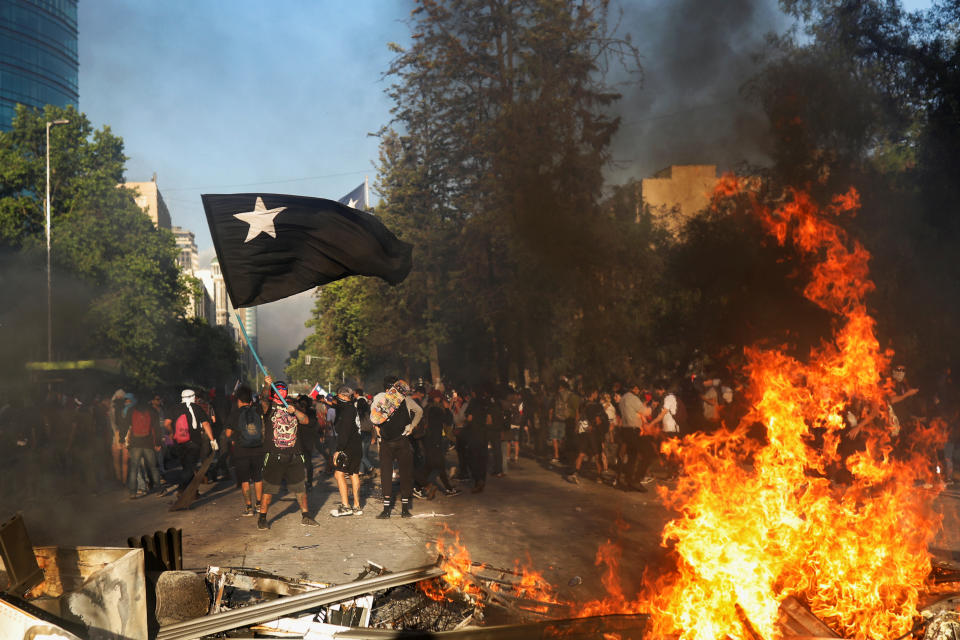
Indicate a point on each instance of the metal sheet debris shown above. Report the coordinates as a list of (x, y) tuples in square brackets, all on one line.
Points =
[(17, 622), (19, 561), (289, 605)]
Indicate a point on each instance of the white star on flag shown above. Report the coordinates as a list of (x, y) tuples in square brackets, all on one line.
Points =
[(260, 220), (352, 203)]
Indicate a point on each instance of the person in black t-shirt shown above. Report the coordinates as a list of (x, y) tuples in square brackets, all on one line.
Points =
[(284, 460), (190, 427), (348, 453), (592, 429), (247, 457), (395, 445)]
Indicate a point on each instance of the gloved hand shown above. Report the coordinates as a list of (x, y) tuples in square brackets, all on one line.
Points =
[(214, 446), (408, 430)]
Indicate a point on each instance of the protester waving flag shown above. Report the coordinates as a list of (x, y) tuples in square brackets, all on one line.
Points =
[(271, 246)]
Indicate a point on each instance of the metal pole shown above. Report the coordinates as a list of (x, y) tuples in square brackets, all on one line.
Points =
[(49, 287), (256, 357), (49, 279)]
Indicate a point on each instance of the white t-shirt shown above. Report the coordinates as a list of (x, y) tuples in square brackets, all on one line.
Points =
[(669, 419)]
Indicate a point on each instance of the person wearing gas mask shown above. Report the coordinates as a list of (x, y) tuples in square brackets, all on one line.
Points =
[(348, 453), (189, 426), (284, 460)]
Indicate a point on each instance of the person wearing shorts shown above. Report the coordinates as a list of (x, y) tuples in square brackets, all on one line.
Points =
[(247, 460), (349, 452), (283, 458), (591, 431)]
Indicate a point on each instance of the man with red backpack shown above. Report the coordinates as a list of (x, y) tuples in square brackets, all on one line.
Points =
[(143, 440), (189, 425)]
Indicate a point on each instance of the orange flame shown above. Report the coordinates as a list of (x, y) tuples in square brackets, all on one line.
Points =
[(457, 576), (760, 522)]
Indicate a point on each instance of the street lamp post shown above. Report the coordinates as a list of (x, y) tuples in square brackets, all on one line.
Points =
[(49, 281)]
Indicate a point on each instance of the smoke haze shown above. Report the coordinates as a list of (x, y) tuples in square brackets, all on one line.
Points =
[(696, 56)]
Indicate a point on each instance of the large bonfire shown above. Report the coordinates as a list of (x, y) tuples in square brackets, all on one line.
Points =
[(750, 535), (762, 521)]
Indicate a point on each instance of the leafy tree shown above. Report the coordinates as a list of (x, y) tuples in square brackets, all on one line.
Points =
[(119, 273), (493, 170), (871, 98)]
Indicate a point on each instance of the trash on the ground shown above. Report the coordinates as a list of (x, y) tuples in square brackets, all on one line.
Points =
[(236, 587), (943, 626), (17, 622), (97, 592), (432, 514), (575, 581)]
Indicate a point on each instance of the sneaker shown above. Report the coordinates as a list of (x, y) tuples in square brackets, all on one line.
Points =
[(384, 514), (647, 480), (357, 510), (247, 510), (554, 461), (307, 521), (573, 478), (405, 512), (262, 522), (452, 492), (341, 510), (417, 493)]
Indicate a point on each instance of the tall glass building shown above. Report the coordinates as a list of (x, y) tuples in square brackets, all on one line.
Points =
[(38, 55)]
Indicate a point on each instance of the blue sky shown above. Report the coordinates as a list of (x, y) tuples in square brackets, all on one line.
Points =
[(223, 97), (226, 96)]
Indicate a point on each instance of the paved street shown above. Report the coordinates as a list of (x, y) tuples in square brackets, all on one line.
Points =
[(531, 513)]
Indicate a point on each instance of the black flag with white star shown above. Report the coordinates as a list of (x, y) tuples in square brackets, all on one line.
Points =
[(271, 246)]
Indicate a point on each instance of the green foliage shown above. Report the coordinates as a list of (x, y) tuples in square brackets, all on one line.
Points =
[(104, 248), (492, 168)]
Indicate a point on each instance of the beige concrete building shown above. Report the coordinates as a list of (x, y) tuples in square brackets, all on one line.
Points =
[(147, 196), (188, 258), (677, 193)]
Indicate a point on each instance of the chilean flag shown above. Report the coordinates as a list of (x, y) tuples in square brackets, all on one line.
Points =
[(317, 391)]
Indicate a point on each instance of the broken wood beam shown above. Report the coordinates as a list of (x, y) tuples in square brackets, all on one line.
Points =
[(797, 620)]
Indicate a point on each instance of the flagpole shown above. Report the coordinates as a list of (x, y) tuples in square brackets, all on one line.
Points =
[(366, 194), (256, 357)]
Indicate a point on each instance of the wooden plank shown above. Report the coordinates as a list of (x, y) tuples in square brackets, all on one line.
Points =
[(797, 620), (189, 494)]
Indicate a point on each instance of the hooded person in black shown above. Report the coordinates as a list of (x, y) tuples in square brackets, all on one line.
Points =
[(349, 452)]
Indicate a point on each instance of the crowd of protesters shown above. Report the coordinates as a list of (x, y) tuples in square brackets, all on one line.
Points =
[(427, 442)]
